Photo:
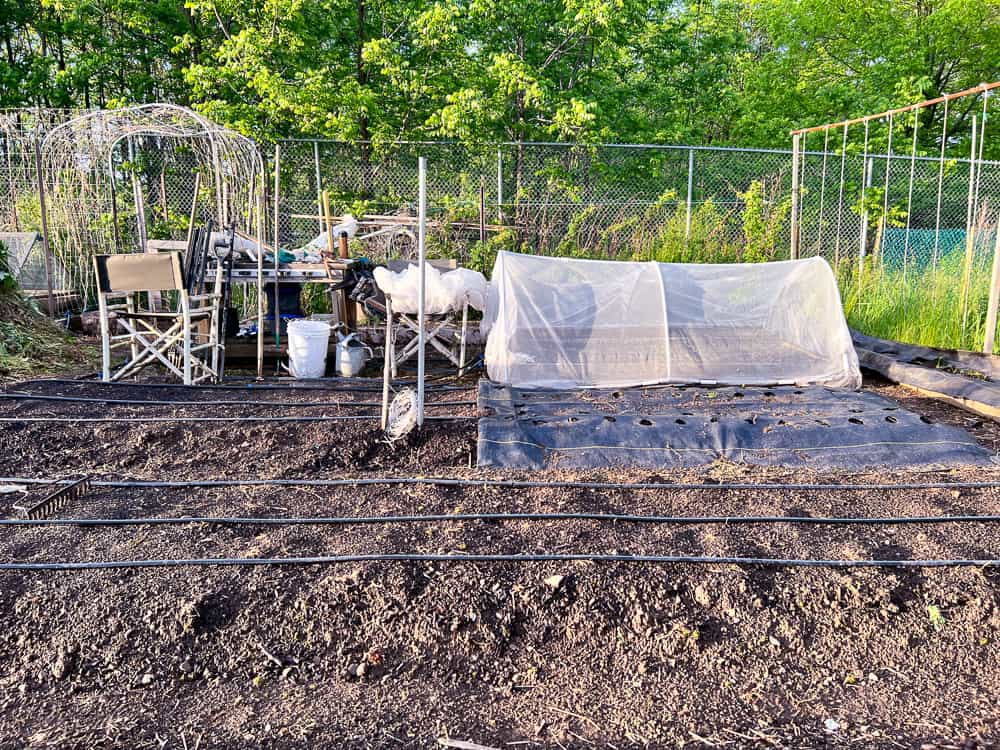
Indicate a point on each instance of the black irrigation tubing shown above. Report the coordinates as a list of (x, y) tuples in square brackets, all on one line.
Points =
[(511, 483), (20, 396), (151, 420), (515, 558), (465, 517), (259, 386)]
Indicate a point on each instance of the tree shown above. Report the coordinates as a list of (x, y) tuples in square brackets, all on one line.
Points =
[(822, 61)]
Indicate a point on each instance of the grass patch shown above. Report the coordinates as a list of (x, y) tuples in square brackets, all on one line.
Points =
[(919, 306), (30, 343)]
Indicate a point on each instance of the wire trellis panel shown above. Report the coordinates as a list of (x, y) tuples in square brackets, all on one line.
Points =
[(115, 178)]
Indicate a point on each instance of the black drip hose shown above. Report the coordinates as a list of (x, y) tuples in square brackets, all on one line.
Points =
[(258, 386), (464, 517), (148, 420), (19, 396), (516, 558), (512, 483)]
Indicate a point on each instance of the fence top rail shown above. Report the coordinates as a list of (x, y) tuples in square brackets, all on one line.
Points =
[(655, 146), (555, 144), (982, 88)]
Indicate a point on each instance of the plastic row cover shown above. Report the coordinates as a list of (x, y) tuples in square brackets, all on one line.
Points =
[(565, 323), (443, 292)]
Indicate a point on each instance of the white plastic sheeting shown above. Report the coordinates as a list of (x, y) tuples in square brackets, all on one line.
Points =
[(312, 251), (445, 291), (567, 323)]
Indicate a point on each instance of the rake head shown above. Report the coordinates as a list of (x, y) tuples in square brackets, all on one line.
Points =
[(56, 500)]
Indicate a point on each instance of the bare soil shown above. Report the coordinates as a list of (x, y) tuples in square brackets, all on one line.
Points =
[(506, 655)]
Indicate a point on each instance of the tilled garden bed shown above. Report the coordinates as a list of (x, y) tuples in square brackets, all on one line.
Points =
[(397, 654)]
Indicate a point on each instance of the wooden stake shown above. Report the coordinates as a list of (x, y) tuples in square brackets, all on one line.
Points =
[(991, 311), (194, 207), (970, 232), (329, 223), (163, 198), (46, 242)]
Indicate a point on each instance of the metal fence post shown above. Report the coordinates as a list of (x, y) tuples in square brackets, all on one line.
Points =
[(796, 155), (277, 238), (690, 195), (422, 260), (499, 185), (319, 186)]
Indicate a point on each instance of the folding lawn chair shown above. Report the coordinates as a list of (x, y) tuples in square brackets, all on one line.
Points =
[(185, 341)]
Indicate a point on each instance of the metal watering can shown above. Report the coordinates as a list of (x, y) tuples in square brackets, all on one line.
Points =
[(351, 355)]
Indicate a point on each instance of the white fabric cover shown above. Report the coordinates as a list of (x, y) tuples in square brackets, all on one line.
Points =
[(443, 292), (567, 323)]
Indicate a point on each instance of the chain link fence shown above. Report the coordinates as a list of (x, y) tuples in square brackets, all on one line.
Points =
[(911, 237), (914, 217), (611, 201)]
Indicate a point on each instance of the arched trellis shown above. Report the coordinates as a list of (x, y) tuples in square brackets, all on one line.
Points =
[(104, 177)]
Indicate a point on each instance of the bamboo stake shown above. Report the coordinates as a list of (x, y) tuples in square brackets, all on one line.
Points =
[(981, 88), (46, 241), (329, 223), (991, 310), (194, 207), (969, 229), (163, 197)]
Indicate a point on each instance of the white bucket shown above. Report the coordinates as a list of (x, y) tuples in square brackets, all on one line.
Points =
[(351, 356), (307, 345)]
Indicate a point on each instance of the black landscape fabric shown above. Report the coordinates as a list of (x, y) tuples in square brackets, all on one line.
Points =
[(674, 427)]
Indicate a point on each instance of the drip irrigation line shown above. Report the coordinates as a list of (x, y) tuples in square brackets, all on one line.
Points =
[(514, 558), (508, 483), (21, 396), (150, 420), (465, 517), (261, 386)]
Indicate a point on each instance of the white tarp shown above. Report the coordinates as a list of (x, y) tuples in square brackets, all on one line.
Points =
[(566, 323), (443, 292), (26, 258)]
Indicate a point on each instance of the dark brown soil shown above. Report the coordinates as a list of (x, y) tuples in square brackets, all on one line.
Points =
[(506, 655)]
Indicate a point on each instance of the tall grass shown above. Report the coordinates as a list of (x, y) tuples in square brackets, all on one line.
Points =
[(922, 306), (29, 342)]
